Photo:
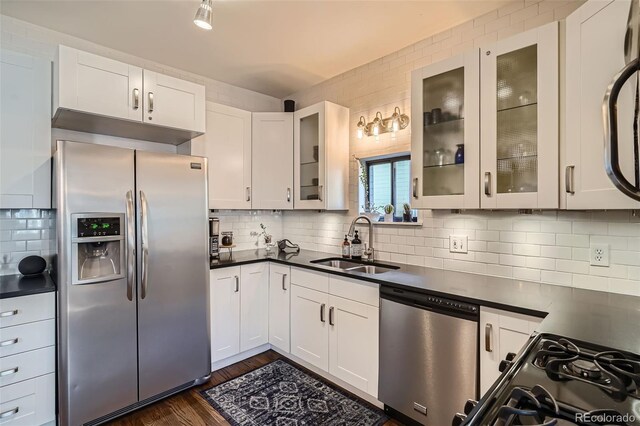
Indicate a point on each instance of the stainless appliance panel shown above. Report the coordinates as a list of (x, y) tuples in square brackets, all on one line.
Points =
[(97, 348), (427, 360), (173, 272)]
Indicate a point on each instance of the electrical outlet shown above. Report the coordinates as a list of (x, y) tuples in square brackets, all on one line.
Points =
[(458, 243), (599, 255)]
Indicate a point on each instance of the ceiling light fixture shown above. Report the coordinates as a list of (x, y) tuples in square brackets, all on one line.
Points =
[(380, 125), (204, 15)]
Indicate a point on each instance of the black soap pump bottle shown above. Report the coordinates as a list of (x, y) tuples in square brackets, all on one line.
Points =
[(346, 248), (356, 247)]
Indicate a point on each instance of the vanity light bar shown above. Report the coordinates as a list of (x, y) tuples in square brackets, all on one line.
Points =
[(380, 125)]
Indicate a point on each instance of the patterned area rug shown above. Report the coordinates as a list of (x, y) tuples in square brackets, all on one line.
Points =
[(280, 394)]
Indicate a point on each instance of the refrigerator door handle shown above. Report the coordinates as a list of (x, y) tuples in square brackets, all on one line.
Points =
[(145, 243), (131, 245)]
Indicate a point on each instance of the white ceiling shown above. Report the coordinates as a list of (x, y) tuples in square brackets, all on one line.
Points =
[(272, 47)]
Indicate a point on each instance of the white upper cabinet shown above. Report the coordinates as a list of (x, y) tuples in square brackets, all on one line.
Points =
[(174, 103), (227, 145), (25, 131), (272, 160), (321, 157), (595, 37), (100, 95), (96, 85), (445, 135), (519, 112)]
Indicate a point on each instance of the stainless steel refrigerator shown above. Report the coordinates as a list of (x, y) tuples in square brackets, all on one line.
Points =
[(133, 278)]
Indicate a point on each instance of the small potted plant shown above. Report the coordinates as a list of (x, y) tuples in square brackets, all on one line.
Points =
[(406, 214), (267, 238), (388, 212)]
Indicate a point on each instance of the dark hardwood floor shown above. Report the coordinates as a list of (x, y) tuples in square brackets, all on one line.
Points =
[(188, 408)]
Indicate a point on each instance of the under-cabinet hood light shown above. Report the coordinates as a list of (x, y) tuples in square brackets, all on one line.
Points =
[(204, 15)]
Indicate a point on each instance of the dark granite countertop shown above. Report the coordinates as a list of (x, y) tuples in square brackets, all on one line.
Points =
[(607, 319), (19, 285)]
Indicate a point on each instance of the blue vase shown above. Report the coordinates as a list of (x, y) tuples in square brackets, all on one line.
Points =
[(460, 154)]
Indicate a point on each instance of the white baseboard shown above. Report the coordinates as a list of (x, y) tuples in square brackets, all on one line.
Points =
[(239, 357), (340, 383)]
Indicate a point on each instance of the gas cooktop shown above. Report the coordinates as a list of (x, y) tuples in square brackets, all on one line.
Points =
[(559, 382)]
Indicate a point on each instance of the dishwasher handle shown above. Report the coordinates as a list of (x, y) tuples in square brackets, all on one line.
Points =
[(431, 302)]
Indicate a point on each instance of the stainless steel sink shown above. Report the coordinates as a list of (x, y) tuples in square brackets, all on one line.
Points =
[(355, 266)]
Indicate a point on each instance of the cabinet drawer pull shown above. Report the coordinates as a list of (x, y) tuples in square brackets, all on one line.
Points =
[(9, 413), (487, 184), (488, 329), (284, 278), (568, 180), (9, 372), (8, 342), (150, 102), (8, 313), (331, 316), (415, 188), (136, 99), (237, 283), (322, 312)]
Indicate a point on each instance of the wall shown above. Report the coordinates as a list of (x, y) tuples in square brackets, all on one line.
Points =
[(550, 247), (31, 231)]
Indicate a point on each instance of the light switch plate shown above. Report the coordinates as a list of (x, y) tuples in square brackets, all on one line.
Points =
[(599, 255), (458, 243)]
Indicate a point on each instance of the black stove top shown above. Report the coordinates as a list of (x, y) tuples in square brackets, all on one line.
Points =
[(559, 382)]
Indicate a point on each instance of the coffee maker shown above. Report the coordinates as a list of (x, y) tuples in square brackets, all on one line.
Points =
[(214, 236)]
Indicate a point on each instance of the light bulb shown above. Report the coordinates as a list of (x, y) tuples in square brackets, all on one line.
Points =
[(360, 133), (204, 15), (396, 125), (376, 129)]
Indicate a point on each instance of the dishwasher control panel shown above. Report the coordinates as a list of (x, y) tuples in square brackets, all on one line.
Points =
[(454, 304)]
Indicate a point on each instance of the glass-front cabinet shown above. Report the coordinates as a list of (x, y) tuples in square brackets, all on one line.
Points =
[(445, 134), (519, 116), (321, 157)]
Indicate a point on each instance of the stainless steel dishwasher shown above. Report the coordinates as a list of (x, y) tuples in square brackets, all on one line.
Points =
[(428, 355)]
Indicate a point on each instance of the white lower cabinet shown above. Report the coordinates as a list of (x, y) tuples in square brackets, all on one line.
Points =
[(336, 331), (501, 332), (279, 306), (27, 360), (239, 309), (353, 343), (309, 326), (254, 306)]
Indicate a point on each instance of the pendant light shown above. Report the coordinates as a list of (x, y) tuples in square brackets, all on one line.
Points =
[(204, 15)]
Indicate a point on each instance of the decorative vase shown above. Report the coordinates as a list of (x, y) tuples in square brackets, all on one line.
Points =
[(406, 217), (460, 154), (388, 217)]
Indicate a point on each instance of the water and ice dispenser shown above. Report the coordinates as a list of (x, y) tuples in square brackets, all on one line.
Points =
[(97, 247)]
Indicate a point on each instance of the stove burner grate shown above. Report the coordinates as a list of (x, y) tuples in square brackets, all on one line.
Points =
[(611, 371)]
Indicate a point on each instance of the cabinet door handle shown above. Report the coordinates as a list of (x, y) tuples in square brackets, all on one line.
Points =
[(150, 102), (8, 342), (488, 330), (415, 188), (568, 180), (136, 99), (248, 193), (322, 312), (320, 192), (331, 316), (288, 195), (237, 278), (9, 413), (9, 372), (8, 313), (487, 184), (284, 279)]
